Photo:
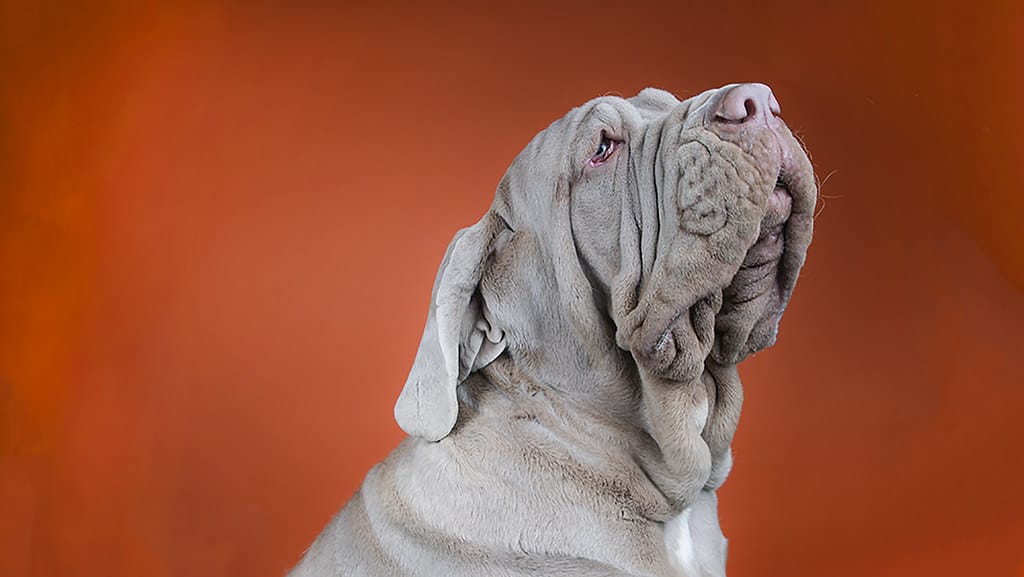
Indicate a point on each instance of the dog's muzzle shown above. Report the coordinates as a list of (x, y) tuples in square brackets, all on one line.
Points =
[(743, 175)]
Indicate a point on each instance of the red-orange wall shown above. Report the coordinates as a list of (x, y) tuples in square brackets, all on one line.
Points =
[(219, 224)]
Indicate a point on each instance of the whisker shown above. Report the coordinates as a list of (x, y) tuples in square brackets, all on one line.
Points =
[(823, 197), (827, 176), (821, 207)]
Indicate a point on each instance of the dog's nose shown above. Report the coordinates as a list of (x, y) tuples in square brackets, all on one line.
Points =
[(745, 103)]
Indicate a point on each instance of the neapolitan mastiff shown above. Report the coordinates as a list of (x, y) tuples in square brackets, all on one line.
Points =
[(572, 404)]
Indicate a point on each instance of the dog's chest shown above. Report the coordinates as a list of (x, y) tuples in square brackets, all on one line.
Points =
[(679, 542)]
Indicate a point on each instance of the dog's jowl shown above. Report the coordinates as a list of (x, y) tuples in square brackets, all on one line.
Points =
[(573, 401)]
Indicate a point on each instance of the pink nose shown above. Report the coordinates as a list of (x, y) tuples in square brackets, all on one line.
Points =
[(746, 103)]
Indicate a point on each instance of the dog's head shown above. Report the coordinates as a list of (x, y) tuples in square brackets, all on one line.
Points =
[(632, 235)]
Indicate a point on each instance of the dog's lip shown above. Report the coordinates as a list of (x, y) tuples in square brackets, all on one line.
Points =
[(780, 206), (769, 247)]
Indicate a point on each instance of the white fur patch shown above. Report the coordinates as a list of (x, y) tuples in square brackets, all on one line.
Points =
[(679, 543), (701, 417)]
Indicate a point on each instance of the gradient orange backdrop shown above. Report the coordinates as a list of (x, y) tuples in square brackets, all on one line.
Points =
[(220, 221)]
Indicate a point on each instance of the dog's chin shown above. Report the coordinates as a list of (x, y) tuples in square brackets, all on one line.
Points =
[(731, 321)]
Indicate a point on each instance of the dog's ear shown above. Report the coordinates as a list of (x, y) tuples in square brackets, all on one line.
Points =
[(460, 336)]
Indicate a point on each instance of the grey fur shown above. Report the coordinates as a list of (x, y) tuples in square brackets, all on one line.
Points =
[(553, 429)]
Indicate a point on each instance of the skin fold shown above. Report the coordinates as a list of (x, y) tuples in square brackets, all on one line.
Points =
[(573, 401)]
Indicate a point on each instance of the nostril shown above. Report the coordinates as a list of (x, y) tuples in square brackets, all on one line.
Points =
[(750, 107)]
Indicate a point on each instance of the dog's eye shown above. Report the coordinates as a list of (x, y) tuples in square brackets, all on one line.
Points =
[(605, 149)]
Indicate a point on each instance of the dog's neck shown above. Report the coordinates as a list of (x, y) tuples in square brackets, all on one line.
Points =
[(678, 434), (562, 338)]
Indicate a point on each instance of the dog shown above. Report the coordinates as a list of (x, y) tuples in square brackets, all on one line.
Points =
[(571, 406)]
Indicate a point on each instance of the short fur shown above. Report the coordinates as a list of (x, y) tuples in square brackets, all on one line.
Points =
[(575, 394)]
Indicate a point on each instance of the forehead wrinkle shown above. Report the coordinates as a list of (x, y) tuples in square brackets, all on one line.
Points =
[(611, 111), (599, 112), (607, 114)]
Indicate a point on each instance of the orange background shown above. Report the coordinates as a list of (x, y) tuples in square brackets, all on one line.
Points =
[(220, 221)]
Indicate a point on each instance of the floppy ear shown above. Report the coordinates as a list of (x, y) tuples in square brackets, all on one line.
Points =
[(460, 336)]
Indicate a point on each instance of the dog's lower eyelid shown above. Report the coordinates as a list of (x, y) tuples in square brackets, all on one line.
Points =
[(608, 146)]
